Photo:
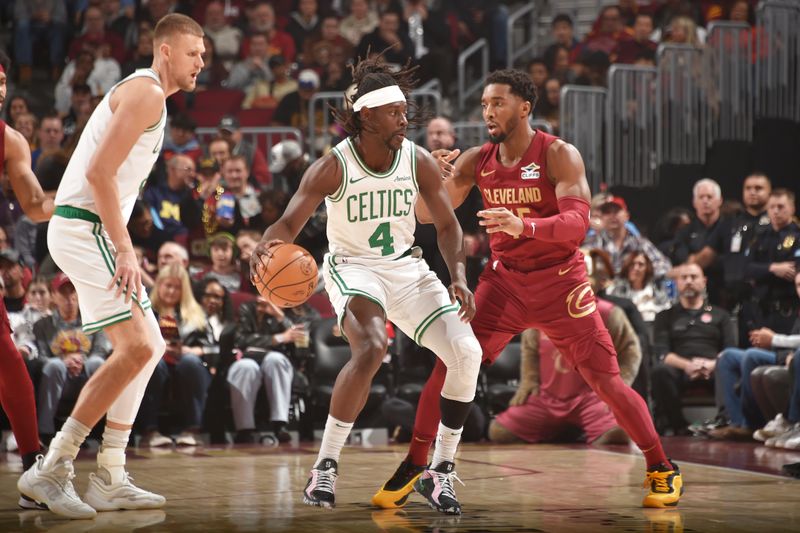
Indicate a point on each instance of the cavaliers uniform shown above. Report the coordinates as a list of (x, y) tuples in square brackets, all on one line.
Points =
[(16, 389), (529, 283)]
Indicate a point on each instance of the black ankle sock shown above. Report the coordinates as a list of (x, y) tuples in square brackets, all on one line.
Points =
[(277, 427), (29, 459)]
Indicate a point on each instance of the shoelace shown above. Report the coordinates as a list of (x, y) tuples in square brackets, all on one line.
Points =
[(326, 479), (446, 481), (660, 480), (66, 471)]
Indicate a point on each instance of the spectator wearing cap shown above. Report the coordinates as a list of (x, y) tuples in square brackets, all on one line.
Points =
[(293, 109), (256, 161), (66, 355), (362, 20), (618, 242), (167, 197), (14, 275), (268, 94), (254, 67), (387, 38), (227, 39), (288, 163), (234, 178), (182, 138)]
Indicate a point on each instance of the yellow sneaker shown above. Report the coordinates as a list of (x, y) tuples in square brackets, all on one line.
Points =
[(665, 486), (395, 492)]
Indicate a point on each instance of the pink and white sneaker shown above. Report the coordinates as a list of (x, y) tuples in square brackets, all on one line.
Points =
[(436, 485), (320, 488)]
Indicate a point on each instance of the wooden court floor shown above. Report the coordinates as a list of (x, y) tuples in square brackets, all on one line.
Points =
[(508, 489)]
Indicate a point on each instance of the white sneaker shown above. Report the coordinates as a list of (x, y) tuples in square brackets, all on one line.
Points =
[(53, 487), (11, 443), (186, 439), (793, 441), (779, 441), (155, 440), (774, 427), (124, 495)]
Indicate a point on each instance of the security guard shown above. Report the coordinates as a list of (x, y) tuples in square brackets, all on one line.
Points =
[(771, 267), (732, 236)]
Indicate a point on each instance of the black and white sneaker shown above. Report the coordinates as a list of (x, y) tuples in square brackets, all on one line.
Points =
[(320, 488), (436, 485)]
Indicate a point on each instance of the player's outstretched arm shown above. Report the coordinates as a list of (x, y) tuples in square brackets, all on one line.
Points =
[(323, 178), (565, 169), (35, 203), (448, 231), (459, 178), (136, 106)]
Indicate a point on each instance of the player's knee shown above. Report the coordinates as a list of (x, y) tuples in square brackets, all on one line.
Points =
[(368, 352), (463, 366), (139, 351)]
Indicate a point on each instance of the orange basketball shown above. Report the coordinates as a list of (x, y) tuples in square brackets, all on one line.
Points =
[(286, 275)]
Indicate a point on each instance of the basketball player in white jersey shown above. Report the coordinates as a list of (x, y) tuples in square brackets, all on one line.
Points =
[(370, 182), (88, 240)]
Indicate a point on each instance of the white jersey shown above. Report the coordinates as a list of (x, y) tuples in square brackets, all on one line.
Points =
[(371, 215), (75, 190)]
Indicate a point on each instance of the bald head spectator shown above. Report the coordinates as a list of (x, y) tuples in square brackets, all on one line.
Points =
[(440, 134), (172, 252)]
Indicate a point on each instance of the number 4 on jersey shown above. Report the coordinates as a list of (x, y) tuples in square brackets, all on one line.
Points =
[(382, 238)]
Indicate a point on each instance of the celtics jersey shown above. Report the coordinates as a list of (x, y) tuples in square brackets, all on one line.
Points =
[(75, 190), (371, 215)]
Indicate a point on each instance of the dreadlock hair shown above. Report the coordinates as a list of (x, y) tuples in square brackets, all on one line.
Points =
[(5, 62), (374, 73), (520, 83)]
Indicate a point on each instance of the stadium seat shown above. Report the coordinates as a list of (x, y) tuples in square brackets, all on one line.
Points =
[(255, 118), (205, 118), (222, 100), (500, 380)]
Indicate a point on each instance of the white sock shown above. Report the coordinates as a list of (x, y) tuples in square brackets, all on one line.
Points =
[(336, 433), (67, 442), (111, 457), (446, 443)]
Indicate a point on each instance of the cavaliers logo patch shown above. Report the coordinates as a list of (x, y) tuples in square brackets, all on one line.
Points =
[(580, 301)]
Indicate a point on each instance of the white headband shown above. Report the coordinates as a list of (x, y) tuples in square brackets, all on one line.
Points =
[(379, 97)]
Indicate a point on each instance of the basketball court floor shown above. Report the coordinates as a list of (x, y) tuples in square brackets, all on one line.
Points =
[(549, 488)]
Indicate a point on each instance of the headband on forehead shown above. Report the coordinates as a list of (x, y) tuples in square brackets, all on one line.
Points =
[(379, 97), (1, 68)]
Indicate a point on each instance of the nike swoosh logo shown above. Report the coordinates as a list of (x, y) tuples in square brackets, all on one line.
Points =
[(484, 174), (561, 272), (356, 180)]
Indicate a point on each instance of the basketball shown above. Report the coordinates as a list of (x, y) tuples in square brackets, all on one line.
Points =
[(286, 275)]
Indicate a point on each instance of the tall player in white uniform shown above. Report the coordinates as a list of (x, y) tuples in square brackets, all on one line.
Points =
[(88, 239), (370, 183)]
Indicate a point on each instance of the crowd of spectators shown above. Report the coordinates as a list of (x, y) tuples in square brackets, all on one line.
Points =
[(710, 294)]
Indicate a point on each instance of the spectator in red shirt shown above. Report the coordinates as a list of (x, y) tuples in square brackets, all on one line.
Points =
[(94, 34), (606, 33), (629, 50)]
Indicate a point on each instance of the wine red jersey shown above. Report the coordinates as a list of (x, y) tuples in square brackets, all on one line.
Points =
[(526, 190)]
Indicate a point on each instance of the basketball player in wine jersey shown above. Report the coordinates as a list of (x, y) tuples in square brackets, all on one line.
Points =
[(88, 240), (536, 200), (16, 389)]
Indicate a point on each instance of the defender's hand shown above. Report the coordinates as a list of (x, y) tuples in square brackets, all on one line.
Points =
[(260, 250), (459, 290), (499, 219), (444, 159), (127, 276)]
